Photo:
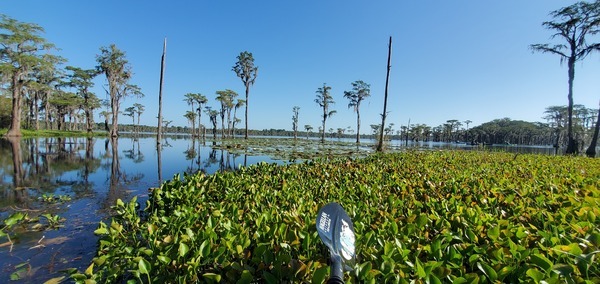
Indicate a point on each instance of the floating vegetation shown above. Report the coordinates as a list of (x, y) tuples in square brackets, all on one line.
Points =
[(295, 149), (434, 216), (51, 198)]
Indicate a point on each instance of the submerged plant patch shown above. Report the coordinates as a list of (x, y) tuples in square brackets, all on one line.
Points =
[(451, 216)]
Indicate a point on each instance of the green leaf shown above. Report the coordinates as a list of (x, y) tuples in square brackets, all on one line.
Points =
[(364, 269), (388, 248), (471, 235), (494, 232), (504, 272), (144, 266), (563, 269), (212, 277), (433, 279), (594, 238), (245, 278), (78, 277), (419, 269), (421, 220), (55, 280), (270, 278), (90, 270), (205, 248), (14, 218), (320, 275), (190, 233), (164, 259), (183, 249), (572, 248), (535, 274), (488, 271), (541, 261), (101, 231)]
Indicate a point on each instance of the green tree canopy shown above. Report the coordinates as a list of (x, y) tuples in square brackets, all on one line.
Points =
[(112, 62), (22, 50)]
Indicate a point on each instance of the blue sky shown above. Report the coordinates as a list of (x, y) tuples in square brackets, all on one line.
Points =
[(465, 60)]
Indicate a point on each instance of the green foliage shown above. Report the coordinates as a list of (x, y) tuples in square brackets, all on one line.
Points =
[(51, 198), (450, 216), (505, 130), (5, 109), (54, 221), (56, 133)]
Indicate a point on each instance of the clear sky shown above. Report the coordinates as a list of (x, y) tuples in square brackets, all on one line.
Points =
[(465, 60)]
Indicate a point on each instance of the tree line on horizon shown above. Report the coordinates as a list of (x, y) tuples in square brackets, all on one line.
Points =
[(41, 91)]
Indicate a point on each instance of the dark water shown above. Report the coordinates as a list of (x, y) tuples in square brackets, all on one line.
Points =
[(93, 173)]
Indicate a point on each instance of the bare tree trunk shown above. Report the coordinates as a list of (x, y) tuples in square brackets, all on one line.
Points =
[(160, 89), (591, 150), (357, 124), (384, 114), (246, 115), (323, 130)]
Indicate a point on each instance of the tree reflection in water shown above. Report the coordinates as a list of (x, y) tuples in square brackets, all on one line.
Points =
[(93, 177), (217, 160), (118, 179)]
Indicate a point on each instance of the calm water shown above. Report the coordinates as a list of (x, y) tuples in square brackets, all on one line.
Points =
[(94, 173)]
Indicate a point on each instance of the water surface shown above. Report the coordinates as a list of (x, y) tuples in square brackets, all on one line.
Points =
[(89, 174)]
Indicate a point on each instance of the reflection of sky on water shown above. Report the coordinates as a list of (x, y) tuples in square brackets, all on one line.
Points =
[(68, 167)]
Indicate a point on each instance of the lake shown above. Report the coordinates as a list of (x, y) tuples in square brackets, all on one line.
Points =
[(77, 180), (89, 175)]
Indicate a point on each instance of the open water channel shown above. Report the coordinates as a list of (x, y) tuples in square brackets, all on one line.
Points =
[(77, 180)]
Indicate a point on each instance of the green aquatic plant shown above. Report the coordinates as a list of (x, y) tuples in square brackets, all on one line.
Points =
[(435, 216), (51, 198)]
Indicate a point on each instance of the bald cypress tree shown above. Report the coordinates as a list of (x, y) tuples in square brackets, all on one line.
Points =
[(244, 68), (22, 51), (114, 65), (324, 100), (572, 25)]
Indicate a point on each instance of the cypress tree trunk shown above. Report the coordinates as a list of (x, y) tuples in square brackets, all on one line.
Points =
[(246, 114), (591, 151), (571, 143), (15, 125), (357, 124)]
